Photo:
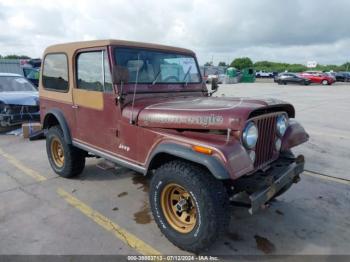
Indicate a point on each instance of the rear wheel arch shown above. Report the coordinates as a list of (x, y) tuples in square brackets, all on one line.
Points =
[(55, 117)]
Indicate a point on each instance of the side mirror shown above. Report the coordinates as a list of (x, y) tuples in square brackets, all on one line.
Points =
[(120, 75), (214, 84)]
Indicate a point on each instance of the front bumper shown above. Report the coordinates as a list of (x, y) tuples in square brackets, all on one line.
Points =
[(261, 187), (285, 173), (16, 119)]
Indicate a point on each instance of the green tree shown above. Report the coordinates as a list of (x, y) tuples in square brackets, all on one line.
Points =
[(16, 57), (345, 67), (241, 63), (208, 64), (222, 64)]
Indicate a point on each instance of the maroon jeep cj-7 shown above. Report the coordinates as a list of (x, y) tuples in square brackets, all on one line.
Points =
[(145, 107)]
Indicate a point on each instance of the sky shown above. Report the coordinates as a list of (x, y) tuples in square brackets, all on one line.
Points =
[(294, 31)]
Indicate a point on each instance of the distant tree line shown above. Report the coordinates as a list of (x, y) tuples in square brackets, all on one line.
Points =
[(15, 57), (246, 62)]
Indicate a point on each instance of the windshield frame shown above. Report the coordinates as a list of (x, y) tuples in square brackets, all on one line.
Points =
[(185, 54), (20, 77)]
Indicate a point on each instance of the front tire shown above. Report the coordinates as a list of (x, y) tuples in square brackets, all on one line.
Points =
[(66, 160), (189, 205)]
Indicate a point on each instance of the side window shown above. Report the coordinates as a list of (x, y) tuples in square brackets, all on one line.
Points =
[(55, 72), (93, 72), (107, 71)]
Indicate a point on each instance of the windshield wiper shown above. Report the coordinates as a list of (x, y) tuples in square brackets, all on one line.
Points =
[(188, 71), (156, 78)]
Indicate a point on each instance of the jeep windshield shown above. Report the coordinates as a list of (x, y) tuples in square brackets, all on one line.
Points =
[(157, 67)]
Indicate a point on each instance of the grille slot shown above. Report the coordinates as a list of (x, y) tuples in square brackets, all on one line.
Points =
[(265, 147), (18, 109)]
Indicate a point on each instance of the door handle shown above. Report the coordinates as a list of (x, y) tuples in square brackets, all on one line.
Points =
[(75, 106)]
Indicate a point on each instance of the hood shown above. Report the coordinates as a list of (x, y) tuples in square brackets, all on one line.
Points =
[(216, 113), (20, 98)]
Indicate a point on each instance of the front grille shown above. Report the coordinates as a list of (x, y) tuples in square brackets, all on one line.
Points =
[(265, 147), (19, 109)]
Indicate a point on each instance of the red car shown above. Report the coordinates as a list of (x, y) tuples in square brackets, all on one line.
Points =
[(318, 78)]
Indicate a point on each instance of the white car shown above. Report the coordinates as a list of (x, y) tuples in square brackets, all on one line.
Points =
[(263, 74)]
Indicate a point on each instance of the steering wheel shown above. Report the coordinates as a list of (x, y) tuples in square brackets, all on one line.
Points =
[(167, 79)]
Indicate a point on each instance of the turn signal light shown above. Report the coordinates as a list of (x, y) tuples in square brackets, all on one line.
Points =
[(202, 149)]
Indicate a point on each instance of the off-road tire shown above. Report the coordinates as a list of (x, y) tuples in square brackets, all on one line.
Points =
[(74, 158), (210, 197)]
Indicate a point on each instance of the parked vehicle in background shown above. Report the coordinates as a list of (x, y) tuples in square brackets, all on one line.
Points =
[(332, 75), (290, 78), (145, 107), (210, 78), (264, 74), (28, 68), (318, 78), (19, 101), (342, 76)]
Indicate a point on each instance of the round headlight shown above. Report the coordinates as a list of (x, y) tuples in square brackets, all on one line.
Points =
[(282, 124), (278, 144), (250, 135)]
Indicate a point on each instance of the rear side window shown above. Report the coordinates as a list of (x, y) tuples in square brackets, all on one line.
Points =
[(55, 72), (93, 72)]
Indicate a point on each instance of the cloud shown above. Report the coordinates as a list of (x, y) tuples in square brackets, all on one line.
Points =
[(289, 30)]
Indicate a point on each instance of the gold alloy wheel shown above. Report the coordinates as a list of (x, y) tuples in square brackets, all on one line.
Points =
[(179, 208), (57, 152)]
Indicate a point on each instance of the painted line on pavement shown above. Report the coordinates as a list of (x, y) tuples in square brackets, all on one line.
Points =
[(326, 177), (128, 238), (26, 170)]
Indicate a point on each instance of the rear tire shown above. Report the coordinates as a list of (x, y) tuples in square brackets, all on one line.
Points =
[(325, 82), (207, 197), (66, 160)]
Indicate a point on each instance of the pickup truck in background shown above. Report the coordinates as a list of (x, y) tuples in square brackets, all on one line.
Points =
[(264, 74)]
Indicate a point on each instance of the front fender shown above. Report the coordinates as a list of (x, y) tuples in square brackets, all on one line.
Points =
[(294, 136), (212, 163)]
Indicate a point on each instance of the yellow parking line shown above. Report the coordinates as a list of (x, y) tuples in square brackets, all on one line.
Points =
[(26, 170), (329, 178), (109, 225)]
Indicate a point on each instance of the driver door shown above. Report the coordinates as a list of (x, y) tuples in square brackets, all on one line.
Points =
[(96, 113)]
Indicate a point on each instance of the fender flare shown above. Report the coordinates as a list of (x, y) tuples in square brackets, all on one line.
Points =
[(295, 135), (57, 113), (211, 163)]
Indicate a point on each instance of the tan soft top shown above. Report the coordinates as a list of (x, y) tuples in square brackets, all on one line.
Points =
[(97, 43)]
